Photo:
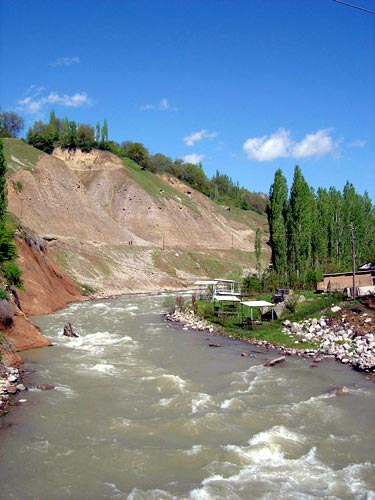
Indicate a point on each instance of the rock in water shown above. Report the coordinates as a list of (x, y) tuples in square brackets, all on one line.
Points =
[(275, 361), (69, 331)]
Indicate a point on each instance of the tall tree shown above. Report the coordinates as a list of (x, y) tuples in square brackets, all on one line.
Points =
[(258, 251), (276, 214), (3, 185), (300, 225), (104, 137)]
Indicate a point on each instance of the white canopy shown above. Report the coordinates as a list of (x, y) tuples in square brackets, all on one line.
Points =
[(257, 303), (226, 298)]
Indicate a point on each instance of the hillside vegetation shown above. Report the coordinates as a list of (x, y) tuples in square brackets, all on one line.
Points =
[(117, 228)]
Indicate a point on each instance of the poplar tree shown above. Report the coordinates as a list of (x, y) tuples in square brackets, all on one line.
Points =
[(3, 185), (276, 214), (104, 137), (258, 251), (299, 225)]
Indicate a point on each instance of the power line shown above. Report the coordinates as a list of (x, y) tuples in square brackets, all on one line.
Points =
[(355, 6)]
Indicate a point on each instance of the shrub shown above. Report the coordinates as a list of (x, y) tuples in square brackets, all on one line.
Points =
[(6, 312), (3, 294), (18, 186), (180, 301), (12, 273)]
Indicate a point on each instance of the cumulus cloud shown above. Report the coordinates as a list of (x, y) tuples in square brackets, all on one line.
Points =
[(34, 103), (193, 158), (65, 61), (191, 139), (163, 105), (281, 145)]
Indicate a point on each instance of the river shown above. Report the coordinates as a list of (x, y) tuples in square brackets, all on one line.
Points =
[(144, 410)]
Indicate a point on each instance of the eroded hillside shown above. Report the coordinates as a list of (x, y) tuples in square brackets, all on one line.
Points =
[(118, 229)]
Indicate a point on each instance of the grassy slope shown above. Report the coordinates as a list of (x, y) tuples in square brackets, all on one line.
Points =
[(155, 186), (20, 155)]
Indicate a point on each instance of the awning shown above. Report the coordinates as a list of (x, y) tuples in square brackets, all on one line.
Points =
[(257, 303), (226, 298)]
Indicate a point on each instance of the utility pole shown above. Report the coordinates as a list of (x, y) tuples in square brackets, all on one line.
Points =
[(353, 256)]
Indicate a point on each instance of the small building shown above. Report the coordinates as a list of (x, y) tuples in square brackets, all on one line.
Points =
[(338, 282)]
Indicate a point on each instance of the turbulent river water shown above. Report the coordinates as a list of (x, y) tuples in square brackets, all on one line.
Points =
[(145, 410)]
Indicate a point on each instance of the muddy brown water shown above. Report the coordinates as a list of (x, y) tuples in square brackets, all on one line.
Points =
[(142, 410)]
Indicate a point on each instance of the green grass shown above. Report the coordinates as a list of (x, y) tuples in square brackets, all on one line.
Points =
[(314, 306), (19, 155), (156, 187), (196, 263)]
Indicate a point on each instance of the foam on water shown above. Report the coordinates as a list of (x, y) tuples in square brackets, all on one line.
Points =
[(167, 381), (104, 369), (202, 402), (67, 391), (267, 474)]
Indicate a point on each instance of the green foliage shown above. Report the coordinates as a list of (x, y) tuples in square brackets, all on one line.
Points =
[(8, 249), (310, 233), (138, 153), (11, 124), (85, 137), (18, 185), (12, 273), (3, 294), (276, 214), (3, 184)]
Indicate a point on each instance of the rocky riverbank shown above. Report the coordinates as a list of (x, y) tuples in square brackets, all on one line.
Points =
[(340, 337), (10, 384)]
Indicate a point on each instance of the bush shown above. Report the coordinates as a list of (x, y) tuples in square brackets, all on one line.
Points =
[(6, 312), (12, 273), (3, 294), (180, 301)]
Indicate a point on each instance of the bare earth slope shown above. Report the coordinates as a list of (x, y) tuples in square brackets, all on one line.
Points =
[(120, 230)]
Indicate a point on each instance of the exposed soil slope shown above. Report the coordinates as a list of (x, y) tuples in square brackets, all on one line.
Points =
[(118, 229)]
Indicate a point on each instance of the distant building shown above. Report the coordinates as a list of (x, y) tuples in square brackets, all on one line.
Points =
[(339, 282)]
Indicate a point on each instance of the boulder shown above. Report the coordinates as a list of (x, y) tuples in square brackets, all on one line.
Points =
[(69, 331)]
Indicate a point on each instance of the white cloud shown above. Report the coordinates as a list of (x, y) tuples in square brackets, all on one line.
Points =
[(268, 148), (318, 144), (163, 105), (191, 139), (33, 104), (193, 158), (281, 145), (359, 143), (65, 61)]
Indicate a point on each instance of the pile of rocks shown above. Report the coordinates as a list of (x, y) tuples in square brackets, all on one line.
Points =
[(10, 383), (190, 321), (337, 340)]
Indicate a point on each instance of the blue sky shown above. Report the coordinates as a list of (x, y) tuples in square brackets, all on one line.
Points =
[(245, 86)]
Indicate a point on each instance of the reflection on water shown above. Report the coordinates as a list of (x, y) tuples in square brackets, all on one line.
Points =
[(142, 410)]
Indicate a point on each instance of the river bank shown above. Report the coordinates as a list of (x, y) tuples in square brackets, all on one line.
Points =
[(336, 338)]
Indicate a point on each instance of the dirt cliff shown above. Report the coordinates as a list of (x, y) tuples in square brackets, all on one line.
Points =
[(46, 289), (116, 229)]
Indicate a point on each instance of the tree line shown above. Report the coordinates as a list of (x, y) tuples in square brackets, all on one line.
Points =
[(310, 231), (67, 134)]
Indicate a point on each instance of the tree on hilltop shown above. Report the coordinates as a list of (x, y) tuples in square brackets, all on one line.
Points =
[(11, 124)]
